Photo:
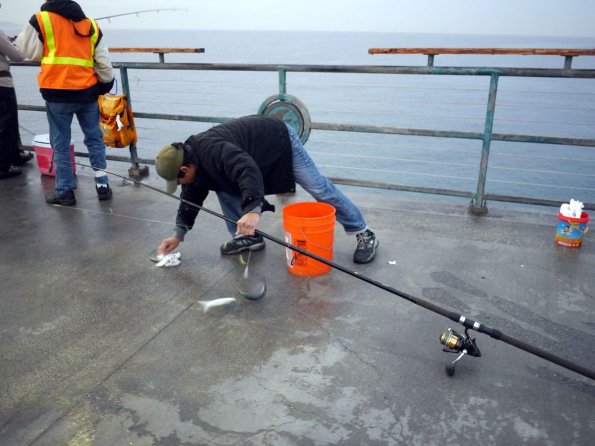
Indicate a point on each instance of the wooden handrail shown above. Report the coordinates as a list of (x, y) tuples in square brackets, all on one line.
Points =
[(160, 51), (517, 51), (567, 53), (157, 50)]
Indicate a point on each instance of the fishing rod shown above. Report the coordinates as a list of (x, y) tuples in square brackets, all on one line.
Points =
[(453, 341), (108, 17)]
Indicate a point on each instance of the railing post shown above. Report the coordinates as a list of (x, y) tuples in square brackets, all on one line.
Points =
[(282, 81), (568, 62), (135, 170), (478, 204), (125, 84)]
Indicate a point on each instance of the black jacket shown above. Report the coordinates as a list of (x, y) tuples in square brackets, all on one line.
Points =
[(249, 156)]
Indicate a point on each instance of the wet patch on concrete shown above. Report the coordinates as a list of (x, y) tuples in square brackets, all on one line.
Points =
[(449, 279)]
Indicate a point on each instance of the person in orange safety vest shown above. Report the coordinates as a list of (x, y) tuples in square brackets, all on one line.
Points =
[(75, 70)]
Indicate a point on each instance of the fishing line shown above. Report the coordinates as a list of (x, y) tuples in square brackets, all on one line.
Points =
[(112, 214), (451, 341), (21, 127)]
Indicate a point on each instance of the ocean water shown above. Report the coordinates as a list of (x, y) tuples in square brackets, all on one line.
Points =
[(552, 107)]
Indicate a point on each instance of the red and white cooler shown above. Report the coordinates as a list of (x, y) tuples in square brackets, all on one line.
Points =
[(44, 154)]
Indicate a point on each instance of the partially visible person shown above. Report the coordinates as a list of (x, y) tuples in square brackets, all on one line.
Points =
[(243, 160), (10, 141), (75, 70)]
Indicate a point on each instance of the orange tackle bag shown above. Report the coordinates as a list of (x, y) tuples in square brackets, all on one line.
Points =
[(116, 120)]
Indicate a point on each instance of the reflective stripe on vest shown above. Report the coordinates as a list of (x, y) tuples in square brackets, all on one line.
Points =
[(55, 66)]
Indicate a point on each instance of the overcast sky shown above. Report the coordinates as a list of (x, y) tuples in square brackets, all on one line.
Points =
[(513, 17)]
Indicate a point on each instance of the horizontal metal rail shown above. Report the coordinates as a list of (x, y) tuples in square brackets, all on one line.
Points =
[(370, 69), (478, 199)]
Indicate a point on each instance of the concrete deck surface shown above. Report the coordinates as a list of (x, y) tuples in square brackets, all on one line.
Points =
[(100, 347)]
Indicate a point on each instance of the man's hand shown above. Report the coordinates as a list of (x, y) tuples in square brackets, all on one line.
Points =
[(247, 224), (168, 245)]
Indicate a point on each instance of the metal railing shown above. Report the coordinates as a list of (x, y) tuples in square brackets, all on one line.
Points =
[(293, 106)]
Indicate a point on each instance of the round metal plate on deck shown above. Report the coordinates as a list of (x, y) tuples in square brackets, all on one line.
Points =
[(291, 110)]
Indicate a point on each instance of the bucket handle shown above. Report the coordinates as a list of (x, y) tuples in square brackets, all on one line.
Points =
[(115, 85), (576, 227), (314, 244), (296, 254), (51, 163)]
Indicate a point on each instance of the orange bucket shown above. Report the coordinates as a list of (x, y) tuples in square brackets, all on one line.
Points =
[(309, 226)]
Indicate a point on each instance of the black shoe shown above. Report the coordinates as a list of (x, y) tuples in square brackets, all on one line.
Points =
[(62, 198), (366, 247), (12, 171), (24, 157), (242, 243), (104, 192)]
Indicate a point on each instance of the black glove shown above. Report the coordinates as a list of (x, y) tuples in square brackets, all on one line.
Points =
[(104, 87)]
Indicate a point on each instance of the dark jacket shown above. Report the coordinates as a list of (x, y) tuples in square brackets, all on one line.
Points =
[(250, 157), (72, 11)]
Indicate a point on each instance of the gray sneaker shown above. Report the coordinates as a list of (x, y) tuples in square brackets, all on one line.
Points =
[(242, 243), (366, 247)]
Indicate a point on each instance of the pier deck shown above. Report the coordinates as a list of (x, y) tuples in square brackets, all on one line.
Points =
[(100, 347)]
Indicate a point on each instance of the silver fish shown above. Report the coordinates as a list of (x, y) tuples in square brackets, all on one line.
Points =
[(208, 304)]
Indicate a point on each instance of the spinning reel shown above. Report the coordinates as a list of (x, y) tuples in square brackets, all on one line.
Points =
[(455, 342)]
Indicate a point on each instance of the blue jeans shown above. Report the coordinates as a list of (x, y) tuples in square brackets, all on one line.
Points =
[(231, 206), (60, 119), (309, 177)]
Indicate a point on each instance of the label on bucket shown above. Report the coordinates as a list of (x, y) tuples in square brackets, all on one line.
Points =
[(295, 258), (288, 252)]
